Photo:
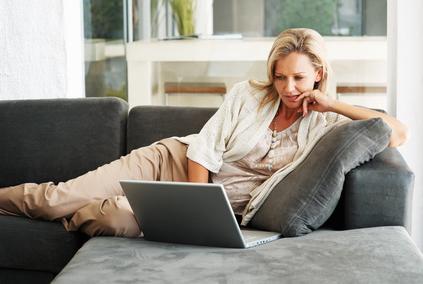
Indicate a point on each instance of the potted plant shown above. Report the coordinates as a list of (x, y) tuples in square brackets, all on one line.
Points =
[(183, 12)]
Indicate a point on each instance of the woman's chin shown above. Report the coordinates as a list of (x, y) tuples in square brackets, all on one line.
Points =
[(291, 104)]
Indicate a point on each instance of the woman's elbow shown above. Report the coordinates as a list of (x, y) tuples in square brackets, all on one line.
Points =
[(399, 136), (197, 172)]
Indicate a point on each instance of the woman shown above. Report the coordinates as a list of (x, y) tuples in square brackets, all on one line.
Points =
[(260, 133)]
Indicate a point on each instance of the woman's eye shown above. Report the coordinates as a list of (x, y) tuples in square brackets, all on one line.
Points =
[(298, 78), (279, 77)]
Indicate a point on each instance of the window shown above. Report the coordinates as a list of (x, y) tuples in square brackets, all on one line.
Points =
[(105, 63), (329, 17)]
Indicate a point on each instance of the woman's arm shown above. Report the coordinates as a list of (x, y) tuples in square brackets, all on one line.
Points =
[(197, 173), (315, 100), (399, 130)]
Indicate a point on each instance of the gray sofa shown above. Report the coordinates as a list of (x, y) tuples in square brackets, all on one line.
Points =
[(365, 240)]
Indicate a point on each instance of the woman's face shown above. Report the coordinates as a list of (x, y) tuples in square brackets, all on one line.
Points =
[(294, 74)]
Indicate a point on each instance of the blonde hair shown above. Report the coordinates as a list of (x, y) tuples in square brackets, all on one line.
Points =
[(303, 41)]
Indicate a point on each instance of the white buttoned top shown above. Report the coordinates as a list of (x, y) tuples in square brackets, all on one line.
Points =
[(271, 153)]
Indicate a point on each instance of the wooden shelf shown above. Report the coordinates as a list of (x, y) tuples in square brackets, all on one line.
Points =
[(360, 89), (142, 54)]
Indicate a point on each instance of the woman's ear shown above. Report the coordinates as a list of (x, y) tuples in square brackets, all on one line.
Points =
[(319, 75)]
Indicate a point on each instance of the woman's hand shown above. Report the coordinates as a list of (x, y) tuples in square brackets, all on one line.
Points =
[(314, 100), (317, 101)]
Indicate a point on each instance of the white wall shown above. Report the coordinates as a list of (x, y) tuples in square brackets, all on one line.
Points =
[(405, 63), (40, 49)]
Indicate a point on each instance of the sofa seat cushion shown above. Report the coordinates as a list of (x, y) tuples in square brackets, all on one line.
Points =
[(370, 255), (36, 245)]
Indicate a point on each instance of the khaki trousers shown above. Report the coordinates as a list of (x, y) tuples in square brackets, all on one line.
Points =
[(94, 203)]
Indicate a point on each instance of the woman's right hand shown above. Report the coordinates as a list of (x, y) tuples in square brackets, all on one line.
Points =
[(314, 100), (197, 173)]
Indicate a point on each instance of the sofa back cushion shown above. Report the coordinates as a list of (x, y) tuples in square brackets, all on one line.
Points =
[(59, 139), (148, 124)]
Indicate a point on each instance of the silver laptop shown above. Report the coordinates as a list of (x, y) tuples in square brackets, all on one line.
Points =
[(189, 213)]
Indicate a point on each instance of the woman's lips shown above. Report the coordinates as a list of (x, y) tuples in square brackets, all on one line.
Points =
[(292, 98)]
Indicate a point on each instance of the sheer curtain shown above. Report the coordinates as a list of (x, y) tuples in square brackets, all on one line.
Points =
[(405, 59), (38, 59)]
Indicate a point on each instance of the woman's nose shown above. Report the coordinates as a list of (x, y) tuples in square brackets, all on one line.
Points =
[(290, 85)]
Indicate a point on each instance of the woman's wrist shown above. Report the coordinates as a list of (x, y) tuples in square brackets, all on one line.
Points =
[(334, 105)]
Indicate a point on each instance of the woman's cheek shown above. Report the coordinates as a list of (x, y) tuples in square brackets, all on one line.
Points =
[(305, 86), (302, 88)]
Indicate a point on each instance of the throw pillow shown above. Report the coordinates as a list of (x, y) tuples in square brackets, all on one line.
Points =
[(306, 198)]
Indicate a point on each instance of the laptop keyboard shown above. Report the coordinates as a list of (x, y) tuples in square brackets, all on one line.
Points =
[(252, 235)]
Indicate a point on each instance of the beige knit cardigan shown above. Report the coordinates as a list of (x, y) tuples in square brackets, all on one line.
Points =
[(235, 129)]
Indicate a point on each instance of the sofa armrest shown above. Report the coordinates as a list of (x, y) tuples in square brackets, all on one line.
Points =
[(379, 193)]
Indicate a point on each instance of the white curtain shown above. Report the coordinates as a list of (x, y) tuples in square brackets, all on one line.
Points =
[(405, 59), (40, 52)]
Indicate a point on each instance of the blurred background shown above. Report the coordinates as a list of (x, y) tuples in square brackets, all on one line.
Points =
[(110, 26)]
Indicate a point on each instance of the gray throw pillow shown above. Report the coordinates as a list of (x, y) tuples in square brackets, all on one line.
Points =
[(306, 198)]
